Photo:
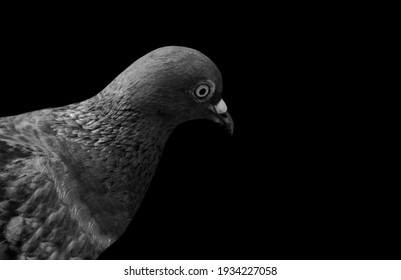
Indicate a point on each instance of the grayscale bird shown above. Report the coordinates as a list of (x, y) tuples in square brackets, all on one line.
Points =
[(72, 178)]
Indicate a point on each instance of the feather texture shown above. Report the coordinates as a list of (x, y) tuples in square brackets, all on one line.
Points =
[(72, 178)]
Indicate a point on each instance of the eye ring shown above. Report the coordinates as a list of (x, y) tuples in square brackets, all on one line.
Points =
[(202, 90)]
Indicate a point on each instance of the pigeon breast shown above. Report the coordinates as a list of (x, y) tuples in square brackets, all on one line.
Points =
[(68, 191)]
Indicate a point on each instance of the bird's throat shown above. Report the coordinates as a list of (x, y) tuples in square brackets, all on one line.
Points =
[(113, 158)]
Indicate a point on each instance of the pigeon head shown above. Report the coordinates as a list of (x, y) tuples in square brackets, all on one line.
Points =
[(173, 85)]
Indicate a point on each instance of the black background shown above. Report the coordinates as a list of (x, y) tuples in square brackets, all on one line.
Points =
[(296, 181)]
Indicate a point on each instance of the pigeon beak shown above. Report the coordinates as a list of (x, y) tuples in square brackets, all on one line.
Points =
[(222, 117)]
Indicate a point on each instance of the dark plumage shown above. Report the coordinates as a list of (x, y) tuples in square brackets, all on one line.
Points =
[(72, 178)]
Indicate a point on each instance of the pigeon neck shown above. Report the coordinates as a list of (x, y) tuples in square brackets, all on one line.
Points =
[(118, 152), (112, 132)]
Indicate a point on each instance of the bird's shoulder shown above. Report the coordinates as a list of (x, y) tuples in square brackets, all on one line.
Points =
[(39, 213)]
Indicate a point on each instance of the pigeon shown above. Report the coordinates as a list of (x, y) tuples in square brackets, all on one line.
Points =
[(73, 177)]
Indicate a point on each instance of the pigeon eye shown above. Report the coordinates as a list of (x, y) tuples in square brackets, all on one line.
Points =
[(202, 91)]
